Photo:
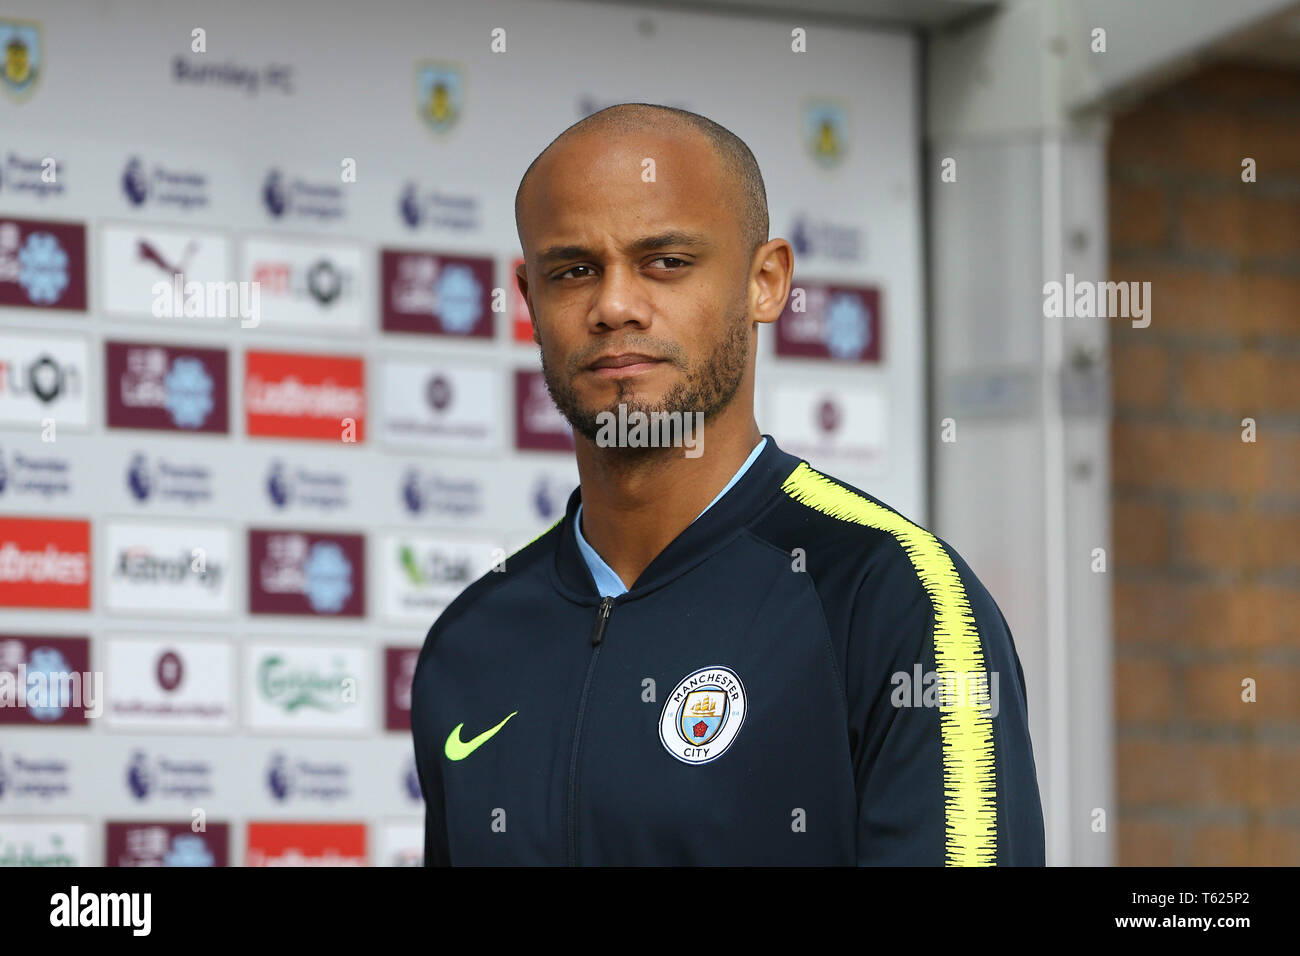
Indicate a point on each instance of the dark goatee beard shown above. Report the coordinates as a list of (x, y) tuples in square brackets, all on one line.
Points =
[(709, 387)]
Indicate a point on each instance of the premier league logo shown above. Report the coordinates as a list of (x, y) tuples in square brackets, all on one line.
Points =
[(139, 778), (703, 714), (439, 95), (543, 497), (277, 485), (279, 778), (409, 206), (135, 184), (274, 196), (20, 45), (413, 492), (139, 479)]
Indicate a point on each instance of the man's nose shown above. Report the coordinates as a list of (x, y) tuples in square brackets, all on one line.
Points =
[(620, 300)]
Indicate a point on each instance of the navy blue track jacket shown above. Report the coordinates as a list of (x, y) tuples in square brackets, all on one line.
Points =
[(802, 677)]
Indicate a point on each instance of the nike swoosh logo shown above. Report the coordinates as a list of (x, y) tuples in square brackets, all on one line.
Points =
[(457, 749)]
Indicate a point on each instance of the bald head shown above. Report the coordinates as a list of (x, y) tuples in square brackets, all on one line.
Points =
[(736, 162)]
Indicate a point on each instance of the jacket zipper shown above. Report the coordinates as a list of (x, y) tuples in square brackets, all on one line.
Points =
[(597, 635)]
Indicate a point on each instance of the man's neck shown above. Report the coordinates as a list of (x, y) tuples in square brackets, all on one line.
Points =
[(633, 507)]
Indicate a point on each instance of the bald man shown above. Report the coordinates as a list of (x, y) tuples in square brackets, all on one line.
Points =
[(719, 655)]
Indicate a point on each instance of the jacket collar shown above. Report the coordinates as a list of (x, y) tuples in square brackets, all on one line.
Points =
[(708, 533)]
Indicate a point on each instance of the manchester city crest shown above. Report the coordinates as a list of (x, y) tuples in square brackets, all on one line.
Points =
[(20, 45), (825, 132), (703, 714), (439, 94)]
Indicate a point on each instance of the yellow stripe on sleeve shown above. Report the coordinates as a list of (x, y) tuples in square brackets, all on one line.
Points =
[(965, 721)]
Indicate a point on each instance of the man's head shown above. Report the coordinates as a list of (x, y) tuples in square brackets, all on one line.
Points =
[(644, 231)]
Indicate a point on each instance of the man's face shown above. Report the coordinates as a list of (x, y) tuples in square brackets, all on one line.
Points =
[(595, 293)]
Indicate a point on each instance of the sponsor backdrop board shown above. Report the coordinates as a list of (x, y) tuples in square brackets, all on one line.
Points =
[(227, 517)]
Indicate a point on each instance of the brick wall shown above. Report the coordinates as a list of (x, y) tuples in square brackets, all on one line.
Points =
[(1206, 562)]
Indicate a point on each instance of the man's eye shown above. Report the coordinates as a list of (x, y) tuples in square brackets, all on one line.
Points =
[(567, 271), (672, 259)]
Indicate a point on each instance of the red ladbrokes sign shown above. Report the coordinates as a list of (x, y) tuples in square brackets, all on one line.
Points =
[(295, 395), (306, 844), (44, 562)]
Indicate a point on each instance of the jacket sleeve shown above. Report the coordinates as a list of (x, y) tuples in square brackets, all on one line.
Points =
[(428, 764), (938, 719)]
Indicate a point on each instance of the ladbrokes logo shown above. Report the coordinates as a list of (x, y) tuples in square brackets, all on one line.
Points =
[(44, 562), (291, 395), (300, 572), (166, 387), (306, 844)]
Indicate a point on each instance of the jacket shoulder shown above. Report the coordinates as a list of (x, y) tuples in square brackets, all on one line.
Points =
[(857, 545), (816, 510)]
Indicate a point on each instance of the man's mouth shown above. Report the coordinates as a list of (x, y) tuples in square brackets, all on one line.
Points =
[(623, 365)]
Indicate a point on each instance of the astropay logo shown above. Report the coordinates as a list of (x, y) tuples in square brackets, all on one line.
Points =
[(165, 567)]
